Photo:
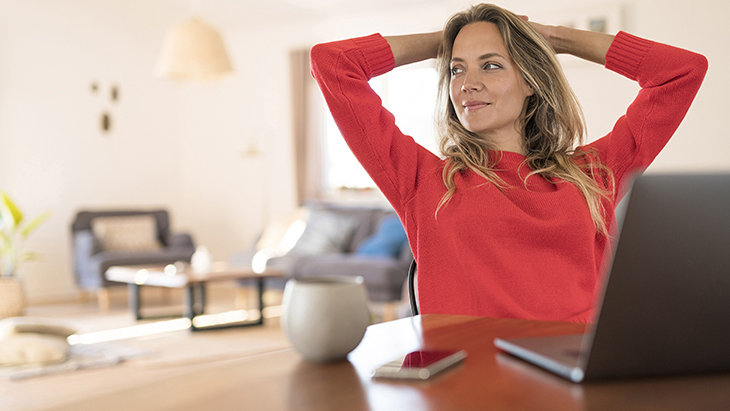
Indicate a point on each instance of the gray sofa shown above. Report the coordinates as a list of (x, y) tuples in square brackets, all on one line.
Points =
[(91, 260), (341, 240)]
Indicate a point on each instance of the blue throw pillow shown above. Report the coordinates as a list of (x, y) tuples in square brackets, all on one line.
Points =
[(387, 241)]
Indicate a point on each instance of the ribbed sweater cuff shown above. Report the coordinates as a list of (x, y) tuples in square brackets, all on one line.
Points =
[(377, 53), (626, 54)]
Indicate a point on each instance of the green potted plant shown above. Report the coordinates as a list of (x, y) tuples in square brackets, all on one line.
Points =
[(13, 232)]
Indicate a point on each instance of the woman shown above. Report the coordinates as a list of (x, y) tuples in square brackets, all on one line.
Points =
[(514, 221)]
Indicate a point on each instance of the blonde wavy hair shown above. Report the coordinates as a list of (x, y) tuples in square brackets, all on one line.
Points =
[(552, 128)]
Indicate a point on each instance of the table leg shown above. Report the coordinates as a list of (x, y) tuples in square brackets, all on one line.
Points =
[(134, 300), (194, 300), (191, 313), (200, 299), (189, 302), (260, 284)]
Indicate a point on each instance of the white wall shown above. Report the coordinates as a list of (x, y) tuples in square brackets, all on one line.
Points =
[(53, 155), (702, 141), (182, 146)]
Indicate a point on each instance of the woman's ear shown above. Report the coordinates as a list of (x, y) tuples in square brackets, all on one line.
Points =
[(529, 90)]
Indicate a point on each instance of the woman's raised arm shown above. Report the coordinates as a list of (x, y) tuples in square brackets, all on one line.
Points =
[(587, 45), (413, 48)]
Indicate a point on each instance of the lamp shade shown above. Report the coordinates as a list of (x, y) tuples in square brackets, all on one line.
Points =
[(193, 51)]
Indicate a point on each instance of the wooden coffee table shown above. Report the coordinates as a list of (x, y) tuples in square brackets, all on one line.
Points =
[(194, 283)]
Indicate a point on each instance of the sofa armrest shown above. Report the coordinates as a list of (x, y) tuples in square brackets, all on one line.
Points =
[(86, 244), (179, 240)]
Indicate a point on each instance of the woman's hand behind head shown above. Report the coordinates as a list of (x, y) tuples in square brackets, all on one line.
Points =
[(548, 32)]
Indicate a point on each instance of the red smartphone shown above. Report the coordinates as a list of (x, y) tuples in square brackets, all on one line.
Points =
[(419, 365)]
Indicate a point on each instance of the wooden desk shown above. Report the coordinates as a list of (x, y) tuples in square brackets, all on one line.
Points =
[(486, 380)]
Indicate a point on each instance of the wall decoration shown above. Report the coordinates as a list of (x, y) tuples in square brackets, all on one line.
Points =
[(105, 119), (106, 122)]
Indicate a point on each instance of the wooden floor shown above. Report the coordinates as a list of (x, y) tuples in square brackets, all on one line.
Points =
[(163, 353)]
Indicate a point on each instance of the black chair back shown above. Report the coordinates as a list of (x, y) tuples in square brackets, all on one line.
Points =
[(411, 288)]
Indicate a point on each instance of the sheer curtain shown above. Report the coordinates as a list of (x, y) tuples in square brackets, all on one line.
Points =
[(325, 167), (307, 125)]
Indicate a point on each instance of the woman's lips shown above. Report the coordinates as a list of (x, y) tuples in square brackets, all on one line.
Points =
[(473, 105)]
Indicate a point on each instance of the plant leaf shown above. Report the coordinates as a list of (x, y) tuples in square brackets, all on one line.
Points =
[(7, 260), (4, 243), (30, 256), (11, 215), (34, 224)]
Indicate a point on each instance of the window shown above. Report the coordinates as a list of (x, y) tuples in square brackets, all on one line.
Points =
[(410, 94)]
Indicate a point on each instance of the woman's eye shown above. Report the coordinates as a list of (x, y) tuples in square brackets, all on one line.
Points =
[(455, 71), (492, 66)]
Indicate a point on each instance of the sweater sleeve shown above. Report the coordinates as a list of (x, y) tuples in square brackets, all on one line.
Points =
[(342, 70), (669, 78)]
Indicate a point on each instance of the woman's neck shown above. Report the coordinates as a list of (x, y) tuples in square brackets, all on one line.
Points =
[(511, 143)]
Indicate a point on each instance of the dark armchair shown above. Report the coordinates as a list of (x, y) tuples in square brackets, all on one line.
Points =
[(95, 249)]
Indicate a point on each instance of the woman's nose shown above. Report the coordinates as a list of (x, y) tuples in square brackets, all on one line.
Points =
[(471, 83)]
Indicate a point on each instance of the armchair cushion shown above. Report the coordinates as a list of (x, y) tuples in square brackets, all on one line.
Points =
[(126, 232)]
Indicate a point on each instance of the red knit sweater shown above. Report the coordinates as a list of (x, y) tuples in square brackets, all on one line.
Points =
[(521, 252)]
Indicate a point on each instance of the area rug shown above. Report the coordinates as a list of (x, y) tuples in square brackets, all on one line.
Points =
[(80, 357)]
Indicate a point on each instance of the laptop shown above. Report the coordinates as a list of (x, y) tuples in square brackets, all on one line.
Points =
[(665, 307)]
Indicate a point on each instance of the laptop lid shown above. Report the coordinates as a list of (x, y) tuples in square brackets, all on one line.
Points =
[(666, 301)]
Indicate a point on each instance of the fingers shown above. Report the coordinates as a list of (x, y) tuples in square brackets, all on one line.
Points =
[(540, 28)]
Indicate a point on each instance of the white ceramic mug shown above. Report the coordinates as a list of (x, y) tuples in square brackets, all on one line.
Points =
[(325, 317)]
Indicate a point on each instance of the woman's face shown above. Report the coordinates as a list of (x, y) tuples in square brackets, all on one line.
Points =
[(487, 90)]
